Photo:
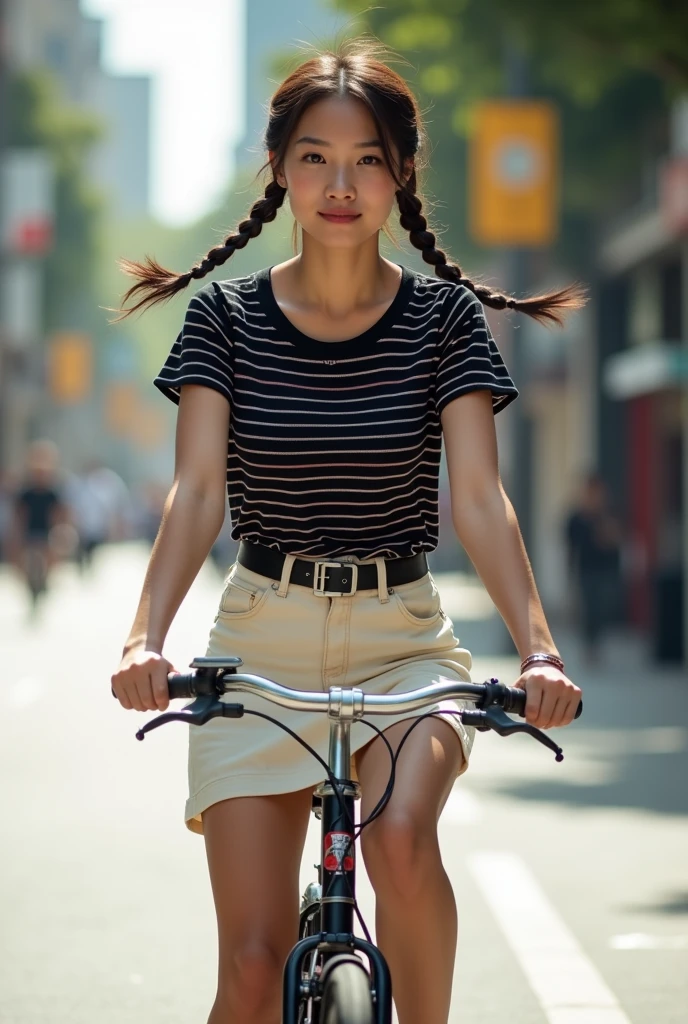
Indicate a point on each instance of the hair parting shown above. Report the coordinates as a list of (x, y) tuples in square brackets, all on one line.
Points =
[(355, 68)]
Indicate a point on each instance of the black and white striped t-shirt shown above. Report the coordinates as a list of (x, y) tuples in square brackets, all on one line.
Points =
[(334, 447)]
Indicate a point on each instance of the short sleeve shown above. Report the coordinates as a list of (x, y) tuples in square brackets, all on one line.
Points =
[(202, 353), (469, 357)]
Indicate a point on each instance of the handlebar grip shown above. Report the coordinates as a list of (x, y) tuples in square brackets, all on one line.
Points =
[(181, 685), (517, 702)]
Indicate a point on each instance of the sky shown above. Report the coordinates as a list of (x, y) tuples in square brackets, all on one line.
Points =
[(192, 50)]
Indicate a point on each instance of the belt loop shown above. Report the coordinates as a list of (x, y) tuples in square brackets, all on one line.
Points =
[(382, 580), (286, 573)]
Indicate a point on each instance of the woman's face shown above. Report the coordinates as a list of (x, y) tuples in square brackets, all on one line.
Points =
[(334, 163)]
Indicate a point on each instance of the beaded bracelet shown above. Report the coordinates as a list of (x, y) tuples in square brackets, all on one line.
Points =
[(542, 659)]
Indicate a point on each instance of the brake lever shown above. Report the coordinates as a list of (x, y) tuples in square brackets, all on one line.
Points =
[(198, 712), (496, 718)]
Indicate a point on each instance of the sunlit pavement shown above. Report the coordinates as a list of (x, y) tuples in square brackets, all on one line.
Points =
[(571, 878)]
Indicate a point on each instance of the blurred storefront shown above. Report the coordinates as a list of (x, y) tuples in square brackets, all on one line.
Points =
[(546, 440), (643, 393), (559, 410)]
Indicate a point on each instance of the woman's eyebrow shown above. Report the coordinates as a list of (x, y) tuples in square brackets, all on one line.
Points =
[(322, 142)]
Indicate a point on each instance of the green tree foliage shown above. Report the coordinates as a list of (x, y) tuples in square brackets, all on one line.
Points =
[(37, 116), (611, 67)]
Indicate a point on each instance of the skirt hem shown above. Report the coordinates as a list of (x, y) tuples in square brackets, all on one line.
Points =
[(275, 783)]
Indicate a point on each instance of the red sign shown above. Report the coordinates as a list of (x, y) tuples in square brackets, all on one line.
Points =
[(32, 237), (26, 201)]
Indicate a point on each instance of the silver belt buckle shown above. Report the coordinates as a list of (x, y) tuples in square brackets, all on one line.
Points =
[(319, 573)]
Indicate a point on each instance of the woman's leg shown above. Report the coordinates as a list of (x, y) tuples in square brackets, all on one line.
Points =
[(415, 910), (254, 847)]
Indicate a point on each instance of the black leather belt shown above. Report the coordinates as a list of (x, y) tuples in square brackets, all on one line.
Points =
[(330, 578)]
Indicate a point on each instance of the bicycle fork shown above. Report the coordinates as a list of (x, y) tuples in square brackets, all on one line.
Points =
[(337, 876)]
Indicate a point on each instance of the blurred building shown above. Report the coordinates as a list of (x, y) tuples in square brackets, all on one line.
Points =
[(273, 27), (643, 388), (557, 380), (58, 38), (609, 393)]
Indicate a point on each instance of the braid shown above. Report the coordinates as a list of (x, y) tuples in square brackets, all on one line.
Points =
[(542, 307), (156, 284)]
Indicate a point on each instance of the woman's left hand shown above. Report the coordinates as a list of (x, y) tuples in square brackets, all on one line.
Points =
[(552, 698)]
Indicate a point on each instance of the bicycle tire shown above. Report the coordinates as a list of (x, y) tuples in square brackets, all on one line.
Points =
[(346, 997)]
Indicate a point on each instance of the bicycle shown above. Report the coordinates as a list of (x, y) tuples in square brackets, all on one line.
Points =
[(325, 981)]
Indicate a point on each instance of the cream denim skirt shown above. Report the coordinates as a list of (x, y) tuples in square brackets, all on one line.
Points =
[(383, 641)]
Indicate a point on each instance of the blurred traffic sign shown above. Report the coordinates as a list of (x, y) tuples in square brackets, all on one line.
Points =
[(70, 366), (513, 174), (26, 201)]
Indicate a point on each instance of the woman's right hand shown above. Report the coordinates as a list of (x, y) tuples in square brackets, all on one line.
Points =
[(140, 682)]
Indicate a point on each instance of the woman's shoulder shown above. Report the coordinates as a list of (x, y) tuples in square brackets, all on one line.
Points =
[(438, 288), (450, 296), (230, 292)]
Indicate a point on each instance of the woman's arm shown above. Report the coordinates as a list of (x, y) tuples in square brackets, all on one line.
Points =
[(487, 527), (192, 517)]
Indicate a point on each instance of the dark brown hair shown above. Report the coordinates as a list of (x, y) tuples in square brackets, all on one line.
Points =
[(353, 69)]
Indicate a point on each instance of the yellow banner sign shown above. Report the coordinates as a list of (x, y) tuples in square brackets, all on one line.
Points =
[(70, 367), (513, 173)]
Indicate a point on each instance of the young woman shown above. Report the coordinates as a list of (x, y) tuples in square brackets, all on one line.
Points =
[(316, 394)]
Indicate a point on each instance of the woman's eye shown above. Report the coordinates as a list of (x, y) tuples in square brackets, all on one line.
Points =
[(318, 156)]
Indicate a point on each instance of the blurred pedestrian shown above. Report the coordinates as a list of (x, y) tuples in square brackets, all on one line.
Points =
[(38, 510), (593, 540), (101, 507)]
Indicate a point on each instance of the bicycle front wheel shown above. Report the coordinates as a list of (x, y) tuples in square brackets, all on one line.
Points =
[(346, 997)]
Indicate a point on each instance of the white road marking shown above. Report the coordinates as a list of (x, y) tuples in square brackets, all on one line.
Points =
[(664, 739), (568, 986), (25, 692), (639, 940)]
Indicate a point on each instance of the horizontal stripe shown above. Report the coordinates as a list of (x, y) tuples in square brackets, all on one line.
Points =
[(319, 455)]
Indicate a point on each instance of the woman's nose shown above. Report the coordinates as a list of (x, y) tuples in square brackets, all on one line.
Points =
[(340, 186)]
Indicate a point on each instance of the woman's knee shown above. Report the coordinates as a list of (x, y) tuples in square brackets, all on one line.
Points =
[(250, 977), (400, 853)]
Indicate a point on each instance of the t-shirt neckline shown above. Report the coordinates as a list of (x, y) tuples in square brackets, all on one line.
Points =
[(333, 349)]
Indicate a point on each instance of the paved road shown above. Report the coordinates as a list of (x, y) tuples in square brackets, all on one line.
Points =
[(571, 878)]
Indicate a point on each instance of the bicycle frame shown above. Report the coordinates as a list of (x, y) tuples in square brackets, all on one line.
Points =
[(337, 876), (335, 901)]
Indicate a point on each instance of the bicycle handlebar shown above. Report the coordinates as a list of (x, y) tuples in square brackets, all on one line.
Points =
[(510, 698), (215, 677)]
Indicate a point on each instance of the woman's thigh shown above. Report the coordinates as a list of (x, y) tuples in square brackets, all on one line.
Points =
[(394, 844), (254, 847)]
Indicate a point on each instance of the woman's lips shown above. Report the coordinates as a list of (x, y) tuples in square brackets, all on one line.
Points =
[(340, 218)]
